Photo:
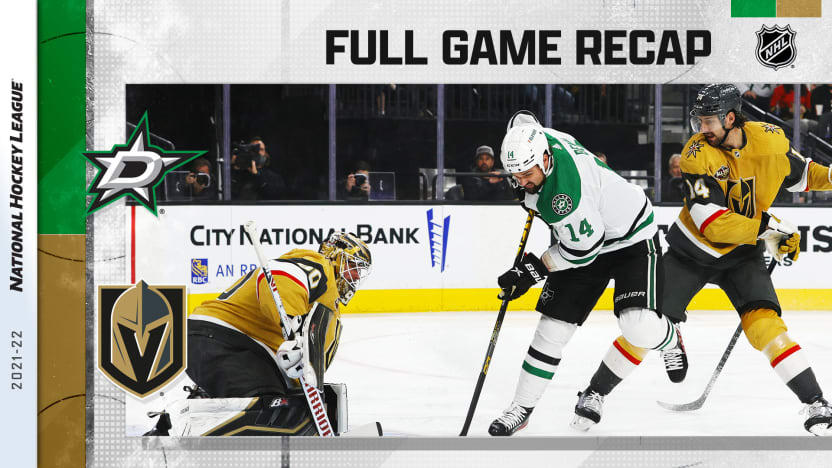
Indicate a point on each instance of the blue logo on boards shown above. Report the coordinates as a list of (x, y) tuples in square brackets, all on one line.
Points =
[(438, 240), (199, 270)]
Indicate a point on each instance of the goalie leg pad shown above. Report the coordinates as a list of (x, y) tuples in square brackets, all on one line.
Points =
[(645, 328)]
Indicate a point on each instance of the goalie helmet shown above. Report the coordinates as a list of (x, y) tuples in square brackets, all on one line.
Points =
[(523, 148), (715, 99), (351, 259)]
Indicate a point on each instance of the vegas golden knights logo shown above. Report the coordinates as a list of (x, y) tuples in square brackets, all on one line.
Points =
[(141, 335), (741, 197)]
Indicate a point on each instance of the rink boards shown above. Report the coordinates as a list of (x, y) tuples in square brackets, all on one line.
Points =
[(425, 257)]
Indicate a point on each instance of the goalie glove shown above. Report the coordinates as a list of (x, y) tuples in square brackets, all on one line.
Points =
[(290, 358), (515, 282), (780, 236), (290, 353)]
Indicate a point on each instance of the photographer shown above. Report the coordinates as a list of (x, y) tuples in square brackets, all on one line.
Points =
[(251, 179), (486, 188), (200, 181), (357, 184)]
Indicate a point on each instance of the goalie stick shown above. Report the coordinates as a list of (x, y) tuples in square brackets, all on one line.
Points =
[(313, 397), (493, 343), (699, 402)]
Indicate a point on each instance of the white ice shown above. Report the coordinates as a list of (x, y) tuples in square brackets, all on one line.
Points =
[(415, 373)]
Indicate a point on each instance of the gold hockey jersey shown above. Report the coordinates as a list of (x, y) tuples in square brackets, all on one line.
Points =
[(302, 276), (729, 189)]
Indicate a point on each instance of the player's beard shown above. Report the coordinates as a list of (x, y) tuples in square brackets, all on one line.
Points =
[(711, 139), (533, 190)]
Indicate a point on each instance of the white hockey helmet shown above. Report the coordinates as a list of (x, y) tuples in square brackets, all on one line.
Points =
[(523, 148)]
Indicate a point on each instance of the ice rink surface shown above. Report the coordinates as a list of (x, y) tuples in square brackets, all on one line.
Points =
[(415, 373)]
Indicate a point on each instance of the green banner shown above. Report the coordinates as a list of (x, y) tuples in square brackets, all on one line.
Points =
[(61, 116)]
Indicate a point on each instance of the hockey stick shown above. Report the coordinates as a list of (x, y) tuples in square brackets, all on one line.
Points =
[(481, 380), (313, 396), (696, 404)]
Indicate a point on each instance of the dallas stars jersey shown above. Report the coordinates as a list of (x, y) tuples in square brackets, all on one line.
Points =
[(728, 190), (302, 276), (590, 209)]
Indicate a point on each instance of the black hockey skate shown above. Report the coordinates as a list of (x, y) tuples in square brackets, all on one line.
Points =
[(818, 417), (514, 418), (588, 410), (676, 360)]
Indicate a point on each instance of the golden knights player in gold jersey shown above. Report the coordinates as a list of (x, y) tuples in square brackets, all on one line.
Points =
[(235, 342), (733, 170)]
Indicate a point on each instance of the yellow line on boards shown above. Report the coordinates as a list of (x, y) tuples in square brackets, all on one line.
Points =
[(437, 300)]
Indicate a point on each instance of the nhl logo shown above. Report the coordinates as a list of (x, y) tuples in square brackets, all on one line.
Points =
[(775, 46), (561, 204)]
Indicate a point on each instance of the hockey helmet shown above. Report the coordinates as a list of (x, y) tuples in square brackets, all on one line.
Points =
[(351, 259), (715, 99), (522, 117), (523, 148)]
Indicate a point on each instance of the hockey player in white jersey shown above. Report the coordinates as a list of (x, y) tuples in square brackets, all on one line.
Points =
[(605, 229)]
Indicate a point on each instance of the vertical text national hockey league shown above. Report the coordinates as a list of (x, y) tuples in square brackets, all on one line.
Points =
[(601, 234)]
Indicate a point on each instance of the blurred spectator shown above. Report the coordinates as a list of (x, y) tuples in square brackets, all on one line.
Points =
[(673, 189), (486, 188), (822, 99), (602, 157), (758, 94), (782, 101), (202, 185), (250, 178), (357, 184), (274, 187)]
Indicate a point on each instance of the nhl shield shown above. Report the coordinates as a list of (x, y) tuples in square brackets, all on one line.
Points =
[(141, 335), (775, 46)]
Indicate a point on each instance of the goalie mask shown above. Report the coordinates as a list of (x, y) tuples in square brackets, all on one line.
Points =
[(523, 148), (351, 259)]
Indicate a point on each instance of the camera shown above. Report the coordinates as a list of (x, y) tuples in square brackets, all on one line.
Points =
[(247, 153), (203, 179), (360, 179)]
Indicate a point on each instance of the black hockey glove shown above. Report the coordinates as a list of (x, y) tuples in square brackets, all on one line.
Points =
[(515, 282)]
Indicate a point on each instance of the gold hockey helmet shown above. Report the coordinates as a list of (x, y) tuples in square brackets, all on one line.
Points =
[(351, 259)]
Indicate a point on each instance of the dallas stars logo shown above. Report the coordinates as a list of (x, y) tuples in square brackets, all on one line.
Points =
[(133, 169), (770, 128), (694, 148)]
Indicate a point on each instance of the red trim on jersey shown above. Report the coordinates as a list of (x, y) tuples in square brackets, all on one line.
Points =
[(785, 354), (282, 273), (627, 355), (710, 219)]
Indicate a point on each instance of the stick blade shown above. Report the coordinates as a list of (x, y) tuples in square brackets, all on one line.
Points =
[(692, 406)]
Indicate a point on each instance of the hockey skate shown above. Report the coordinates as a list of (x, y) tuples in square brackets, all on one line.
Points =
[(514, 418), (676, 360), (818, 417), (588, 410)]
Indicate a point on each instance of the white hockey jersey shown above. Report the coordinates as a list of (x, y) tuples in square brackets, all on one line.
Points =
[(590, 209)]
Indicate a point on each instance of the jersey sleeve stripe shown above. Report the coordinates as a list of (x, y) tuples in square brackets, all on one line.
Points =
[(711, 219), (702, 212), (582, 253)]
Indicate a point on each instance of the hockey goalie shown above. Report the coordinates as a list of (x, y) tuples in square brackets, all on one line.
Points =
[(247, 374)]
